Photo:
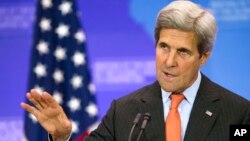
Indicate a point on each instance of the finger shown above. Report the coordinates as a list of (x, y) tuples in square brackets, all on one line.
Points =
[(50, 100), (47, 99), (30, 109), (34, 101), (38, 98), (53, 103)]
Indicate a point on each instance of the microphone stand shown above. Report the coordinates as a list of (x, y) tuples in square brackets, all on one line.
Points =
[(146, 118), (135, 122)]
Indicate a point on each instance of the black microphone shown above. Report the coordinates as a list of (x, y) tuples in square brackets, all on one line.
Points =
[(135, 122), (146, 119)]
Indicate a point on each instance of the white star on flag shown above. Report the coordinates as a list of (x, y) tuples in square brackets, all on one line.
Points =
[(60, 53), (33, 118), (91, 109), (65, 7), (58, 97), (74, 104), (39, 89), (58, 76), (78, 58), (42, 47), (45, 24), (80, 36), (75, 125), (76, 81), (40, 70), (46, 3), (62, 30)]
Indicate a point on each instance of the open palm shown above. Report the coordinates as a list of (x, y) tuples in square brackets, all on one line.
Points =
[(49, 114)]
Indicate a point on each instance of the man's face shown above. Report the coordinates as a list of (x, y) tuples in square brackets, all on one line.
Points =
[(177, 59)]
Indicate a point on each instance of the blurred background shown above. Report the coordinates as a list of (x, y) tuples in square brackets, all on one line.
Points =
[(120, 49)]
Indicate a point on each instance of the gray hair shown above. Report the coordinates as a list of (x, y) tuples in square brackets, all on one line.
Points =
[(187, 16)]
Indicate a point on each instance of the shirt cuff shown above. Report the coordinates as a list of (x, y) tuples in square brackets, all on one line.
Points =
[(50, 137)]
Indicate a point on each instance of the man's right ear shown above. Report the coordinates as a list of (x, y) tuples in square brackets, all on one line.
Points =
[(204, 58)]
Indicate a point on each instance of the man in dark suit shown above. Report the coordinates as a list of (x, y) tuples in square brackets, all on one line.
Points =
[(184, 35)]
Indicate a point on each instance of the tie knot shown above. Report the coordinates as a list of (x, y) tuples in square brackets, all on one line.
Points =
[(176, 100)]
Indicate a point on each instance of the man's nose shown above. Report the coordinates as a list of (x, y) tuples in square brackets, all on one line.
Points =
[(171, 59)]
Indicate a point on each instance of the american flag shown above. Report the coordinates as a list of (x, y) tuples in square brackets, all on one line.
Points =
[(59, 65)]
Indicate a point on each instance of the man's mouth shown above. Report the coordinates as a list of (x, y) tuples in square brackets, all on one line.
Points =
[(169, 75)]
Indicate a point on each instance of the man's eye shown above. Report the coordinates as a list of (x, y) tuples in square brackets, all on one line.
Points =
[(184, 52), (163, 45)]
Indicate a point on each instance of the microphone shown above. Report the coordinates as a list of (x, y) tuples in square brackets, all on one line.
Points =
[(146, 119), (135, 122)]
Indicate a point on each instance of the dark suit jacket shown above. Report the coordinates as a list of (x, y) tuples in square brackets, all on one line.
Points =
[(226, 107)]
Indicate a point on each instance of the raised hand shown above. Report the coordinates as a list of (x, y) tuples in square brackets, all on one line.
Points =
[(49, 114)]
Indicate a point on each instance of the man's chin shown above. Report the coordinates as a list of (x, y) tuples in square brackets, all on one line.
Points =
[(169, 88)]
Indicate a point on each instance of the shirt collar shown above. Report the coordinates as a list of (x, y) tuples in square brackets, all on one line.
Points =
[(190, 93)]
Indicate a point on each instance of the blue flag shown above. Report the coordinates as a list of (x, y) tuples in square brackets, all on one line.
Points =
[(59, 66)]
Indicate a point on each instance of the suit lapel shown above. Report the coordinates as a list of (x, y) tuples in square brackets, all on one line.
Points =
[(151, 102), (204, 113)]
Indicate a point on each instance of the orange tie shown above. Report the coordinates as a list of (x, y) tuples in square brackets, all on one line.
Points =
[(173, 122)]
